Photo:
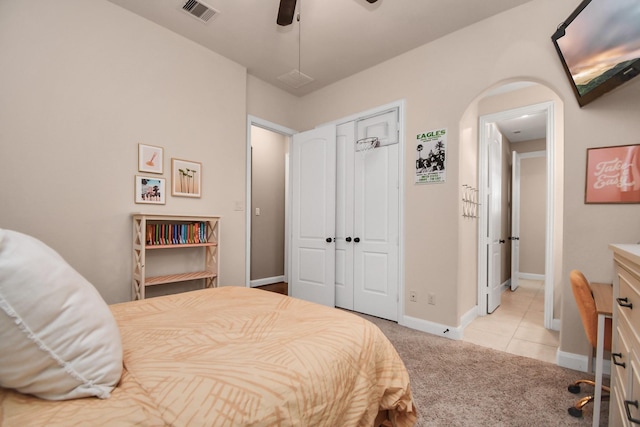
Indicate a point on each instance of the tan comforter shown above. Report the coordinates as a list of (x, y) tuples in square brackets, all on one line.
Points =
[(234, 356)]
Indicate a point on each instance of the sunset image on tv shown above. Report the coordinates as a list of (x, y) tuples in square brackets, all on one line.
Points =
[(601, 41)]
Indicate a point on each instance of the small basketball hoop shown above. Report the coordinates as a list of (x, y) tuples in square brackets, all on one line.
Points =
[(366, 144)]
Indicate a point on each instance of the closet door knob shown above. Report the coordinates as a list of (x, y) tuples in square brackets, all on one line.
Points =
[(357, 239), (329, 240), (348, 239)]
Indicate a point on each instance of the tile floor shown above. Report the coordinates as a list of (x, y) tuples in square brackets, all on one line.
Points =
[(517, 325)]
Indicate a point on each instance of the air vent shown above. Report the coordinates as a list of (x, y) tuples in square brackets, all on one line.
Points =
[(199, 10), (295, 79)]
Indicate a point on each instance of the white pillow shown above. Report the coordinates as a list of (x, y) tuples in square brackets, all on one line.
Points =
[(58, 338)]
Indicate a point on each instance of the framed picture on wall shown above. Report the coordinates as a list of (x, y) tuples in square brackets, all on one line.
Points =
[(613, 174), (150, 189), (150, 158), (186, 178)]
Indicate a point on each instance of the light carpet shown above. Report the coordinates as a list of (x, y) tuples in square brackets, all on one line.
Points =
[(455, 383)]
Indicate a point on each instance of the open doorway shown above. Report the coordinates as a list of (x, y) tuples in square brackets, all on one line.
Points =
[(487, 269), (267, 203)]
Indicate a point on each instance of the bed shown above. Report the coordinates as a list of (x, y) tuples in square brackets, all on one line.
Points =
[(230, 356)]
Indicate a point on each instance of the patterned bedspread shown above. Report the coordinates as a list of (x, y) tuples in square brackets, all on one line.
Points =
[(235, 356)]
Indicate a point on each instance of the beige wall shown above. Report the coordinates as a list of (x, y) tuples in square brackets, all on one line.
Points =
[(440, 83), (82, 83), (79, 93), (268, 195), (533, 210), (272, 104)]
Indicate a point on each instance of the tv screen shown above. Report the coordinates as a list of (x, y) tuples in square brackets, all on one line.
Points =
[(599, 46)]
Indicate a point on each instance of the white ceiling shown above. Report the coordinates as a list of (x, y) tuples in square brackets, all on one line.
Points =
[(525, 128), (338, 37)]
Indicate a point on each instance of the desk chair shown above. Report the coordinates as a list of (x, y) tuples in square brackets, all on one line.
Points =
[(587, 307)]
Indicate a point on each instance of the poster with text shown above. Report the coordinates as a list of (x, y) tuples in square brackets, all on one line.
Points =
[(431, 148), (613, 174)]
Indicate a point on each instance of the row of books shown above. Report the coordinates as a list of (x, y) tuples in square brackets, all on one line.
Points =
[(176, 234)]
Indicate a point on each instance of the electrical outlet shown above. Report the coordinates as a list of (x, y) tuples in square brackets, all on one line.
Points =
[(431, 298), (413, 296)]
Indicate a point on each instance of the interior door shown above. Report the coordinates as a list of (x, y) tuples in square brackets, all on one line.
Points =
[(313, 201), (494, 206), (344, 214), (515, 220), (376, 218)]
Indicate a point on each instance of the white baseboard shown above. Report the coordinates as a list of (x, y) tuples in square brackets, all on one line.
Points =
[(451, 332), (468, 317), (266, 281), (555, 325), (531, 276), (579, 362)]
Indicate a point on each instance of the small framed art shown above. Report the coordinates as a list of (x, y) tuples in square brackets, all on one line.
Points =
[(150, 158), (150, 189), (613, 174), (186, 178)]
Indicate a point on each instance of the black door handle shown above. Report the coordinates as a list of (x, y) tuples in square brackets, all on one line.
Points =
[(500, 241), (348, 239), (357, 239), (624, 302), (628, 403), (329, 239), (614, 357)]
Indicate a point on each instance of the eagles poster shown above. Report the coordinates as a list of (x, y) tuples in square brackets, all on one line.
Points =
[(431, 148)]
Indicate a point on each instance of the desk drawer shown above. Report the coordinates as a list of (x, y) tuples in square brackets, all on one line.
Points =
[(632, 399), (617, 413), (622, 352), (628, 301)]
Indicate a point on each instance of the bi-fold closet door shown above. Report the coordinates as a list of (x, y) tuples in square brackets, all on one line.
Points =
[(345, 247)]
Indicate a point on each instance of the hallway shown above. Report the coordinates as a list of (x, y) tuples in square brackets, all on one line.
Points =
[(517, 326)]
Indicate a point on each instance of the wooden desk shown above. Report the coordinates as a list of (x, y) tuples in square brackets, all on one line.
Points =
[(603, 296)]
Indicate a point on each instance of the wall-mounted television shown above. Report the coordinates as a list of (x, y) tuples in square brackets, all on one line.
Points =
[(599, 46)]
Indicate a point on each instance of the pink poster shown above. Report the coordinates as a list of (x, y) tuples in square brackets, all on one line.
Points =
[(613, 174)]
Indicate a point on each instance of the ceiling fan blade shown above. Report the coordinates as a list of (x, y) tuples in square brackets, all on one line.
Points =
[(286, 11)]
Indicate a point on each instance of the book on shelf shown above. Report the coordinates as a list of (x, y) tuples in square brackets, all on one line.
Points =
[(164, 233)]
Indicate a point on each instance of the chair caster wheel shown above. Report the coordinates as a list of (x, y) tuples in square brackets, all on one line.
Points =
[(574, 388), (574, 412)]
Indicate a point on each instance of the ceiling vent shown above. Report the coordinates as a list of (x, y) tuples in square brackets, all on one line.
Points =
[(295, 79), (202, 12)]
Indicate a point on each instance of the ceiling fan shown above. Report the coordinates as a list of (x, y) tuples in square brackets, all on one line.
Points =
[(287, 10)]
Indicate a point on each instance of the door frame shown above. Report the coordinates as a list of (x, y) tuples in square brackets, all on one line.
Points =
[(548, 109), (273, 127)]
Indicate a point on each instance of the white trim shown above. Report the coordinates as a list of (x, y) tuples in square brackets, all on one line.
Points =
[(556, 324), (548, 109), (264, 124), (468, 317), (505, 285), (451, 332), (531, 276), (579, 362), (267, 281)]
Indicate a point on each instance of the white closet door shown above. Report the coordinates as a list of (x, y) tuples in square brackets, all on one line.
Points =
[(376, 219), (345, 148), (494, 210), (313, 215)]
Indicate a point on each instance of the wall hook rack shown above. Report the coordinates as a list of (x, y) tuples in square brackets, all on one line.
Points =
[(469, 201)]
